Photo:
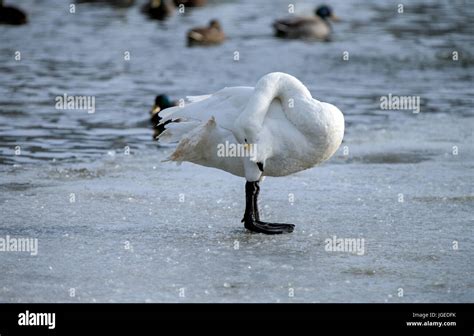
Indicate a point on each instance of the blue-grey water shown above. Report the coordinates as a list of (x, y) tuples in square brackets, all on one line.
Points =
[(113, 227)]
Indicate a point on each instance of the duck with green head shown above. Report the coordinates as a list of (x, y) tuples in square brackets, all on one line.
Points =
[(12, 15), (162, 102), (313, 27), (158, 9)]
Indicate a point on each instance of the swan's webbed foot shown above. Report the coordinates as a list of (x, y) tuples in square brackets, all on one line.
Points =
[(268, 228), (251, 218)]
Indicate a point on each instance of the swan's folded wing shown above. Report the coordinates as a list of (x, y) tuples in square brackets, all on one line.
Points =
[(192, 145), (175, 131), (224, 105)]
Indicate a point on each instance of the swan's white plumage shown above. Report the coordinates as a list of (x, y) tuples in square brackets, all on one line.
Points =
[(193, 99), (291, 130)]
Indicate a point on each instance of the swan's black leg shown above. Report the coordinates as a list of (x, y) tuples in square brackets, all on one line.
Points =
[(251, 216), (255, 202)]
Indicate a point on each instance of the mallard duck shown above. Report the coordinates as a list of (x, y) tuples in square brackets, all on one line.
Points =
[(162, 102), (158, 9), (190, 3), (11, 15), (213, 34), (251, 132), (316, 27)]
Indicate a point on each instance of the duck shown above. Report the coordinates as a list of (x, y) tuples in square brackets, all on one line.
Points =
[(190, 3), (275, 129), (211, 35), (314, 27), (12, 15), (162, 102), (158, 9)]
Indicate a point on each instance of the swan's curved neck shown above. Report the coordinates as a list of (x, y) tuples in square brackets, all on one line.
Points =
[(272, 86)]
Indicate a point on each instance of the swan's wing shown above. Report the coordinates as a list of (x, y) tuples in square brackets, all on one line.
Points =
[(224, 105), (194, 99), (202, 125)]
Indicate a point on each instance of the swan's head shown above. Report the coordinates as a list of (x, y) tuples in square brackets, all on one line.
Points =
[(325, 12), (245, 133)]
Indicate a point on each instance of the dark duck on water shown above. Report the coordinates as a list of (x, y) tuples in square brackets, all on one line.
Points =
[(11, 15), (312, 27), (162, 102), (158, 9)]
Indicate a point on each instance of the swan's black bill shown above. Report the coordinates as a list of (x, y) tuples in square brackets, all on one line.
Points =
[(251, 218)]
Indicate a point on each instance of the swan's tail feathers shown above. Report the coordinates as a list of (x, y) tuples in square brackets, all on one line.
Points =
[(166, 114), (193, 142), (176, 129), (186, 110), (176, 121)]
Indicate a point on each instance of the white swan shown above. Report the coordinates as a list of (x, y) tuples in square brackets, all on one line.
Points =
[(283, 129)]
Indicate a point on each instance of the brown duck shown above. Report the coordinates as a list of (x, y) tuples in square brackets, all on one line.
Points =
[(213, 34)]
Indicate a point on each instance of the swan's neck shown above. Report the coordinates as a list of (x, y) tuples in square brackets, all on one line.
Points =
[(277, 85)]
